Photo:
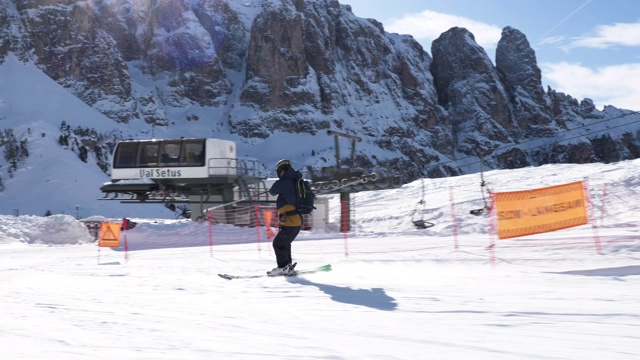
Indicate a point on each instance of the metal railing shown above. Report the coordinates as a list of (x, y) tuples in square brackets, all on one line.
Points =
[(232, 167)]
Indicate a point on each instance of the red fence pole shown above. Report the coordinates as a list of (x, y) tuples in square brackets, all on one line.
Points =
[(453, 218), (210, 221), (126, 243), (596, 234), (345, 225), (258, 237), (493, 233)]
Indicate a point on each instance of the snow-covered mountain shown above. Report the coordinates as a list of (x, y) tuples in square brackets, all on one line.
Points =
[(274, 76)]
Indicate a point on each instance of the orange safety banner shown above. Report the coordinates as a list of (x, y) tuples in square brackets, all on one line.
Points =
[(268, 214), (541, 210), (109, 235)]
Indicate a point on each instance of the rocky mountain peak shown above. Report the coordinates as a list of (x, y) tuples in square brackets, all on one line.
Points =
[(470, 90), (517, 66), (255, 71)]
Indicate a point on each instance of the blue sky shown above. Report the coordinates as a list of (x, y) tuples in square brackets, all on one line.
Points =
[(585, 48)]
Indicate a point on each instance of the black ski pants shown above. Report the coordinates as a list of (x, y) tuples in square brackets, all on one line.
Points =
[(282, 244)]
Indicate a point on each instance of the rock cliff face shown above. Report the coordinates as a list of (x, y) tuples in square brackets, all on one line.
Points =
[(470, 90), (522, 80), (254, 70)]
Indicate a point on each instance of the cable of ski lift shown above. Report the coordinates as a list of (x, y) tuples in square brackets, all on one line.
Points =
[(543, 145), (483, 188)]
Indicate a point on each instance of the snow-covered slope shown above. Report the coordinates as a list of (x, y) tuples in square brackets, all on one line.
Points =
[(394, 291)]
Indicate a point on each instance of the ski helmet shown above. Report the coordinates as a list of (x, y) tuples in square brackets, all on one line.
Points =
[(281, 163)]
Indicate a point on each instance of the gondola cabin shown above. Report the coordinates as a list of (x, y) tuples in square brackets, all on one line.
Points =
[(197, 171), (173, 159)]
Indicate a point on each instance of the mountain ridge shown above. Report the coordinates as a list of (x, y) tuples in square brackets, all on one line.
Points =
[(275, 75)]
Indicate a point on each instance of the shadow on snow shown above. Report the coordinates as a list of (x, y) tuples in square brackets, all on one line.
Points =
[(375, 298), (617, 271)]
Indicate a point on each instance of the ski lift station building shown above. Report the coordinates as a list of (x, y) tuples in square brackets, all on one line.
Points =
[(204, 173)]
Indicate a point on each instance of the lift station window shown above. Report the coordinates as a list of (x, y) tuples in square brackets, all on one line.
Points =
[(148, 154), (159, 153), (192, 153), (126, 155), (170, 153)]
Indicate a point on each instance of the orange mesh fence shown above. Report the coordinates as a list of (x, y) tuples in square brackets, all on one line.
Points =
[(527, 212)]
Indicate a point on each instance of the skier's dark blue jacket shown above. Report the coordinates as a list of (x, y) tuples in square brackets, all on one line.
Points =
[(285, 188)]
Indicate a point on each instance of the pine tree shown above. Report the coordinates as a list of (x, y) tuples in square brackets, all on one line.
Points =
[(83, 153)]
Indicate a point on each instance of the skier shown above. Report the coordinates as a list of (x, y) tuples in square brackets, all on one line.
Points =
[(290, 219)]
